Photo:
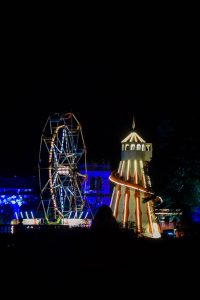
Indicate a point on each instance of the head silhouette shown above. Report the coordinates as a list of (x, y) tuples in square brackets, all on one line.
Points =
[(104, 219)]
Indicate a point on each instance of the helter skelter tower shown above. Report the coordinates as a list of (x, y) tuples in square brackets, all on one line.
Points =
[(62, 185), (132, 200)]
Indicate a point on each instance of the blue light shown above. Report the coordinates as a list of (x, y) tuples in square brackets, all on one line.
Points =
[(13, 200), (196, 215), (98, 179), (17, 194), (98, 186), (170, 233)]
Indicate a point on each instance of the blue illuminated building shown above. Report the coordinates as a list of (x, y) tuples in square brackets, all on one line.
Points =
[(18, 198), (98, 186), (196, 215)]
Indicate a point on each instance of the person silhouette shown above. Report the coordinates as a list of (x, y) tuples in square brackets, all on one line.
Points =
[(104, 220)]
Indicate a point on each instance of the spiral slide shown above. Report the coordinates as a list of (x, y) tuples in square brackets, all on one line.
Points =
[(115, 179)]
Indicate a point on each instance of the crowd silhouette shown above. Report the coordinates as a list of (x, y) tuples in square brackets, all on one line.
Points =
[(103, 252)]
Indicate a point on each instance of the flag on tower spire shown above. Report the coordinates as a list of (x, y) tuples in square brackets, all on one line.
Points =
[(133, 124)]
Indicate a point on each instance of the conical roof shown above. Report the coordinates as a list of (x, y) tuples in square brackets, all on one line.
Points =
[(133, 137)]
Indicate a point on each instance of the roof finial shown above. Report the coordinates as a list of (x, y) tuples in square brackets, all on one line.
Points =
[(133, 124)]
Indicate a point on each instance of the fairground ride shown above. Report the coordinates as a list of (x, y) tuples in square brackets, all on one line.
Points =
[(62, 185), (133, 201)]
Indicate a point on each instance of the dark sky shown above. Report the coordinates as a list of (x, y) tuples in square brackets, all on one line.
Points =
[(103, 97)]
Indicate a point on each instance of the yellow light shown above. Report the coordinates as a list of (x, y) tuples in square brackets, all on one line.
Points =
[(135, 169), (125, 207), (128, 170), (156, 233), (119, 167), (149, 217), (112, 197), (137, 214), (122, 169), (116, 204)]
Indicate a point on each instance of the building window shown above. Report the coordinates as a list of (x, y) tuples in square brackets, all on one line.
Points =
[(138, 147), (127, 147), (92, 183), (98, 183), (132, 146), (148, 147)]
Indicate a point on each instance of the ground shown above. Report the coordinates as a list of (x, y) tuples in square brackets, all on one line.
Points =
[(62, 259)]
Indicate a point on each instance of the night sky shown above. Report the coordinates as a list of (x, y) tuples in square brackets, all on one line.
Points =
[(104, 98)]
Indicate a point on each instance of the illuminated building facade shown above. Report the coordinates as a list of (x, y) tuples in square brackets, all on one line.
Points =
[(132, 199), (18, 198), (98, 186)]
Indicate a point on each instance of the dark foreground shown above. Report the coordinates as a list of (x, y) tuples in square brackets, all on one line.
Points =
[(80, 260)]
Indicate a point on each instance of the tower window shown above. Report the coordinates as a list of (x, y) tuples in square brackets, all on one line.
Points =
[(132, 146), (148, 147), (127, 147), (138, 147)]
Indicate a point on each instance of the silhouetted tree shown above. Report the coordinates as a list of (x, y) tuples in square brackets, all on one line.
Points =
[(176, 167)]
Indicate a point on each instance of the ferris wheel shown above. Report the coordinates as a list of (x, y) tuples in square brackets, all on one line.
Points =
[(62, 184)]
